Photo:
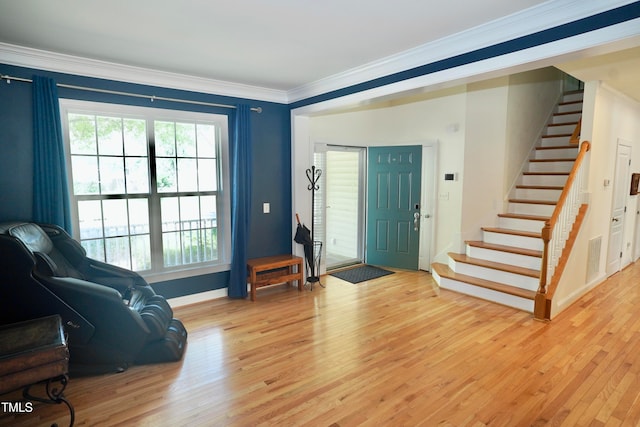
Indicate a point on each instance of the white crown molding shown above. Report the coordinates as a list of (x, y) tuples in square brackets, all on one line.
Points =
[(544, 16), (68, 64)]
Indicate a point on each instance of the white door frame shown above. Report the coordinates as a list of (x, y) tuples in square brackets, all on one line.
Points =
[(428, 204)]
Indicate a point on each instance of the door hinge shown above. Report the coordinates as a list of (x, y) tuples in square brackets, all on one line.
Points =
[(620, 254)]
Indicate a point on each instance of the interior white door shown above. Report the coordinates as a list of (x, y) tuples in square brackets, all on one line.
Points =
[(618, 209), (429, 152)]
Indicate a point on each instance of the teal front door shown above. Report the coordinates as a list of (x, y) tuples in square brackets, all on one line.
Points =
[(393, 206)]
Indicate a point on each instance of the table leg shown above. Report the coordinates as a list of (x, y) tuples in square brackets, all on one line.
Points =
[(253, 280)]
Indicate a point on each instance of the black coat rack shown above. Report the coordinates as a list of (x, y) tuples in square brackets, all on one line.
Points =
[(313, 252)]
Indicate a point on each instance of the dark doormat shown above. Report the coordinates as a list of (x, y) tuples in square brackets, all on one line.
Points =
[(361, 274)]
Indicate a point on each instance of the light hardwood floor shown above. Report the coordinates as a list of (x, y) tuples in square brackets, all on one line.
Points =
[(389, 352)]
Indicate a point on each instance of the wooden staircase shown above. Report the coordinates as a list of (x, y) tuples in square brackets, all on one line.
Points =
[(505, 265)]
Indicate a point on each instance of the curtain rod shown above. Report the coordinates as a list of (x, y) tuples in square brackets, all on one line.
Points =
[(135, 95)]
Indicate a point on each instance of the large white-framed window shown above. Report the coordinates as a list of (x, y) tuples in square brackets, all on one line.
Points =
[(149, 187)]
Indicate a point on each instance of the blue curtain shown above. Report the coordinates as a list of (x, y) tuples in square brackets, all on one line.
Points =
[(50, 190), (240, 200)]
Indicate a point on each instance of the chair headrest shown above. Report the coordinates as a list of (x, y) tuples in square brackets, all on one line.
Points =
[(32, 236)]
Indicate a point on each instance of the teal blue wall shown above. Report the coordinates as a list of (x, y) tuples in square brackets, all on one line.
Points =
[(271, 171)]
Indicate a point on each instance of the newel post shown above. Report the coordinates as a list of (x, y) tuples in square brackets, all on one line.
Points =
[(542, 307)]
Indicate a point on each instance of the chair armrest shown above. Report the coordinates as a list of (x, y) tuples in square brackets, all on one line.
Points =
[(103, 307), (113, 276)]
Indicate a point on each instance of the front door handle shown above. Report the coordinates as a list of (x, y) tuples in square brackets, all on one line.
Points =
[(416, 221)]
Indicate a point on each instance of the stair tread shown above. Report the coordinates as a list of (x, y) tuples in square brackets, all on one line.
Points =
[(494, 265), (562, 124), (534, 202), (512, 232), (444, 271), (558, 147), (567, 113), (545, 173), (578, 101), (504, 248), (540, 187), (563, 159), (524, 216), (560, 135)]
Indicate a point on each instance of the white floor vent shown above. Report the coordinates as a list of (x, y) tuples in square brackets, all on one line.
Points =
[(593, 258)]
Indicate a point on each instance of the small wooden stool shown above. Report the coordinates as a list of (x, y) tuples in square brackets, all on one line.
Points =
[(274, 270)]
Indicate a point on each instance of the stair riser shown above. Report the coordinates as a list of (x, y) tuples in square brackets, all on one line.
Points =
[(531, 209), (537, 194), (570, 108), (557, 153), (544, 180), (578, 96), (518, 260), (566, 118), (487, 294), (516, 280), (560, 166), (521, 224), (555, 141), (561, 129), (512, 240)]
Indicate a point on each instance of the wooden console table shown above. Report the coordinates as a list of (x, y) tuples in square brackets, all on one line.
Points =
[(273, 270), (35, 351)]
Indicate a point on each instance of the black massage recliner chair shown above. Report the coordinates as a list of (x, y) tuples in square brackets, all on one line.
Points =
[(111, 316)]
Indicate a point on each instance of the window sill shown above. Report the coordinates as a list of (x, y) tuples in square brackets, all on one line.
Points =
[(183, 273)]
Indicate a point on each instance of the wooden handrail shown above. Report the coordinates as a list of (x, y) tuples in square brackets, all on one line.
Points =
[(541, 304), (586, 146), (575, 136)]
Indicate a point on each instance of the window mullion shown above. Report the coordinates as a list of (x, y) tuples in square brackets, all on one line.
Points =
[(155, 218)]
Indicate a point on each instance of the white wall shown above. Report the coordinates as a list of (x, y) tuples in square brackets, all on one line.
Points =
[(505, 118), (532, 97), (485, 147), (302, 159), (440, 118), (607, 117)]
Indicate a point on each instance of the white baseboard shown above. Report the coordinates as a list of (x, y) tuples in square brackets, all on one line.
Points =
[(577, 294), (196, 298)]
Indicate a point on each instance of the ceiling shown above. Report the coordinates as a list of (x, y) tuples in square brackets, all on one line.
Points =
[(275, 44), (619, 70)]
